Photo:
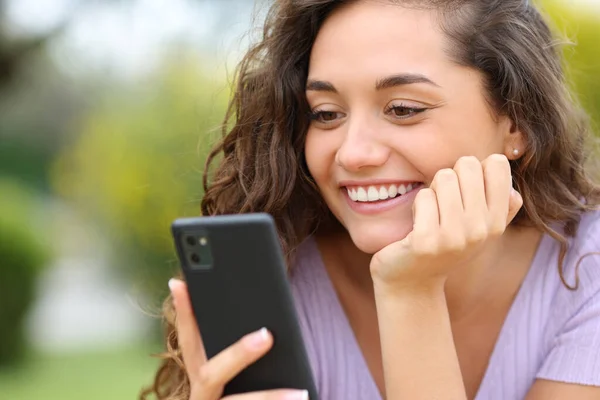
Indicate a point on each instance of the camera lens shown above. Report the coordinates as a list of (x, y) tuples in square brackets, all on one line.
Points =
[(195, 258), (190, 240)]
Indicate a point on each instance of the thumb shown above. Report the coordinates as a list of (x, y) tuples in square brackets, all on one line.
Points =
[(391, 255), (514, 205)]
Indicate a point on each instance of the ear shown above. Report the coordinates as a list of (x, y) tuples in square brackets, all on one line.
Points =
[(515, 142)]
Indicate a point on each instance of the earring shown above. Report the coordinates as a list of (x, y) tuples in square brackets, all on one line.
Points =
[(515, 152)]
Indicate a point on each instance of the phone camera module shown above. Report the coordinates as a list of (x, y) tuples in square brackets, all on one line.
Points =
[(196, 248), (190, 240)]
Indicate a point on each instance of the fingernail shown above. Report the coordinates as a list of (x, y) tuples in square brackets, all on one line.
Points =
[(297, 395), (172, 283), (257, 339)]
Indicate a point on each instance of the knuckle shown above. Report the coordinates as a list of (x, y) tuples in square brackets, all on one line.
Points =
[(446, 173), (453, 242), (497, 229), (424, 196), (425, 247), (500, 159), (424, 193), (206, 378), (467, 163), (425, 250), (443, 176), (478, 233), (497, 165)]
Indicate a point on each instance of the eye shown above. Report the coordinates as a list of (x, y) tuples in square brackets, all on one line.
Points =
[(401, 111), (325, 117)]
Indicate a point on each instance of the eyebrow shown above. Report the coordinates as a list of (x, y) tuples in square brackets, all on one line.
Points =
[(403, 79), (383, 83)]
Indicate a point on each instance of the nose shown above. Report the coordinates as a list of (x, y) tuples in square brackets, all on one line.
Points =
[(361, 147)]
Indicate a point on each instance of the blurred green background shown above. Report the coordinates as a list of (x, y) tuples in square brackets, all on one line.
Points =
[(107, 110)]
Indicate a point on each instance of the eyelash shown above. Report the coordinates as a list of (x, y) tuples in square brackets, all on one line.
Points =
[(316, 114), (411, 110)]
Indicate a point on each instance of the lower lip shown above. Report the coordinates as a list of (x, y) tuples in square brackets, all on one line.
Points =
[(370, 208)]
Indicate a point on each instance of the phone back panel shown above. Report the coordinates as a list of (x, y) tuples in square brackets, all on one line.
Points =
[(244, 288)]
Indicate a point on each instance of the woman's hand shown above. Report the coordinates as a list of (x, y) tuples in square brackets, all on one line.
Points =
[(454, 218), (208, 377)]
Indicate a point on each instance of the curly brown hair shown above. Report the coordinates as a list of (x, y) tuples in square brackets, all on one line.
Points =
[(260, 165)]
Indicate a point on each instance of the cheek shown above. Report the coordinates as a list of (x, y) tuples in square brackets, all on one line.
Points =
[(311, 153), (424, 152), (319, 157), (440, 145), (320, 151)]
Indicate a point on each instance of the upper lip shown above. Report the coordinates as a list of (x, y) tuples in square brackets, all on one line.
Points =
[(376, 182)]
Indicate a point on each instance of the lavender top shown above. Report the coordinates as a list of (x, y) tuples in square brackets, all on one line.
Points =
[(549, 333)]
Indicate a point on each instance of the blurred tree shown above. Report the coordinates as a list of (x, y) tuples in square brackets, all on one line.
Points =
[(580, 25), (23, 253), (14, 52), (36, 113), (36, 102), (137, 165)]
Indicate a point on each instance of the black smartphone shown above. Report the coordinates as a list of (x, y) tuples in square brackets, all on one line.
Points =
[(237, 282)]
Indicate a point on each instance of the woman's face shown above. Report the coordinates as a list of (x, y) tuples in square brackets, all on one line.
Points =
[(390, 109)]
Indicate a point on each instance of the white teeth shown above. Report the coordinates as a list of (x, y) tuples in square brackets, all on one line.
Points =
[(361, 194), (393, 191), (352, 194), (372, 193), (383, 193)]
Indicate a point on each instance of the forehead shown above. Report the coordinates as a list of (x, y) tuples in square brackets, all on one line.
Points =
[(378, 37)]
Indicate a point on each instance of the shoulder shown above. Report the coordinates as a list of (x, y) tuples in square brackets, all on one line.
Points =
[(582, 262), (574, 346), (579, 281), (588, 230)]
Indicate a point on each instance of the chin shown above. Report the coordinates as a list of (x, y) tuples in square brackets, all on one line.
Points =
[(371, 239)]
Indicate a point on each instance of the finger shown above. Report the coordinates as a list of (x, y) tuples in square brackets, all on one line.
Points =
[(188, 335), (450, 205), (472, 188), (498, 184), (515, 204), (230, 362), (426, 216), (271, 395)]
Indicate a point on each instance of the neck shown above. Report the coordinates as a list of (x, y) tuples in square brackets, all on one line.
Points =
[(470, 288), (346, 265)]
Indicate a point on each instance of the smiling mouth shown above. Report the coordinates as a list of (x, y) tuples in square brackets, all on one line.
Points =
[(377, 193)]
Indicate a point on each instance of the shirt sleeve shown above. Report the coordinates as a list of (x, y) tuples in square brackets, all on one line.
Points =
[(574, 355)]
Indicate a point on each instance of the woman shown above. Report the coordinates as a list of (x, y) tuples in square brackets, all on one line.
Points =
[(386, 138)]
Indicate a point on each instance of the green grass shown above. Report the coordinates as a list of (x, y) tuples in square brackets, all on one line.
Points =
[(107, 375)]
